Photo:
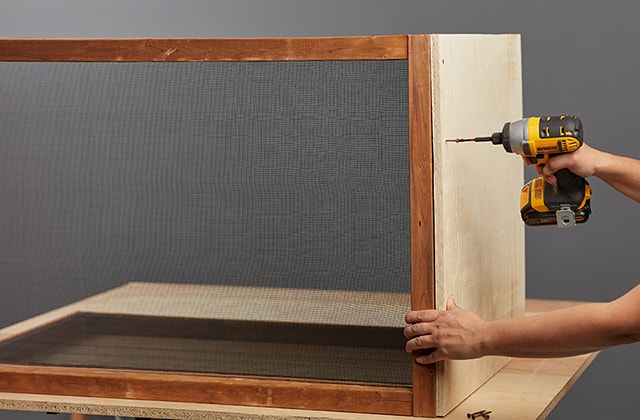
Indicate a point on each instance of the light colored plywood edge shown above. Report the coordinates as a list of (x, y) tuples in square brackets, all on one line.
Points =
[(579, 365), (52, 316), (526, 388), (479, 237)]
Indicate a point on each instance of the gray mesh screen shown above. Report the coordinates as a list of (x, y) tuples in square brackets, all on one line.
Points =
[(277, 175), (285, 174)]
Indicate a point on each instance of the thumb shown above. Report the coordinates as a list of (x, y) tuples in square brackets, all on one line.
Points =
[(451, 303)]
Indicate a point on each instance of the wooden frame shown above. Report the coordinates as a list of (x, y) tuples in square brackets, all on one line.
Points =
[(525, 388), (423, 398), (142, 50), (152, 299)]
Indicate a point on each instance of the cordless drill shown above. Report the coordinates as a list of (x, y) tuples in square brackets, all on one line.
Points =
[(539, 138)]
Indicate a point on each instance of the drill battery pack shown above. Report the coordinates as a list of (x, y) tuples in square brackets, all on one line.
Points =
[(544, 204)]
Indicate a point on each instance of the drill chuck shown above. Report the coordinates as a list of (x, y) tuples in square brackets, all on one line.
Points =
[(514, 137)]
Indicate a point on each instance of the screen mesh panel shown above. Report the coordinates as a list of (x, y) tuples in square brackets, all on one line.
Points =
[(344, 353), (273, 174), (270, 174)]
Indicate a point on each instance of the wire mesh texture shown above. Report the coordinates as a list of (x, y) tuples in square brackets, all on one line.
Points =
[(272, 174)]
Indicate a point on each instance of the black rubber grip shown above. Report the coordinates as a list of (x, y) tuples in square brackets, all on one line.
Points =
[(569, 190)]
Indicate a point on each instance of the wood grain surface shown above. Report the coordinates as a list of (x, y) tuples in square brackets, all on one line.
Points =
[(479, 237), (422, 209), (183, 387), (203, 49)]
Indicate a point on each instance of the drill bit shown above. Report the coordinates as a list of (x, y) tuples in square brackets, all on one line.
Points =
[(476, 139)]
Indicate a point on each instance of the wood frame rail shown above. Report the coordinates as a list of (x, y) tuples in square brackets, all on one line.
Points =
[(422, 209), (199, 388), (418, 400), (392, 47)]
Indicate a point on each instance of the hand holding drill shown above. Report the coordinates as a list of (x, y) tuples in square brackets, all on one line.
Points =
[(538, 139), (582, 162)]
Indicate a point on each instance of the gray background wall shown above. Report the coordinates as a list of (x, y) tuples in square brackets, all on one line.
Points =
[(579, 57)]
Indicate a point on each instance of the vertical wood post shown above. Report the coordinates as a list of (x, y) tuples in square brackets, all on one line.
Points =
[(421, 202)]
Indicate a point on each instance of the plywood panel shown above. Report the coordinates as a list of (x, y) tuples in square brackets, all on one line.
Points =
[(479, 238)]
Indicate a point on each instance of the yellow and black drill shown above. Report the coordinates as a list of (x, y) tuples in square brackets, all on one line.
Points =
[(538, 138)]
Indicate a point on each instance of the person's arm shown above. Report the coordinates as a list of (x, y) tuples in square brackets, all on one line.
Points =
[(458, 334), (622, 173)]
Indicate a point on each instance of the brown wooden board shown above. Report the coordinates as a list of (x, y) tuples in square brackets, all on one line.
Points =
[(422, 229), (213, 389), (203, 49)]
